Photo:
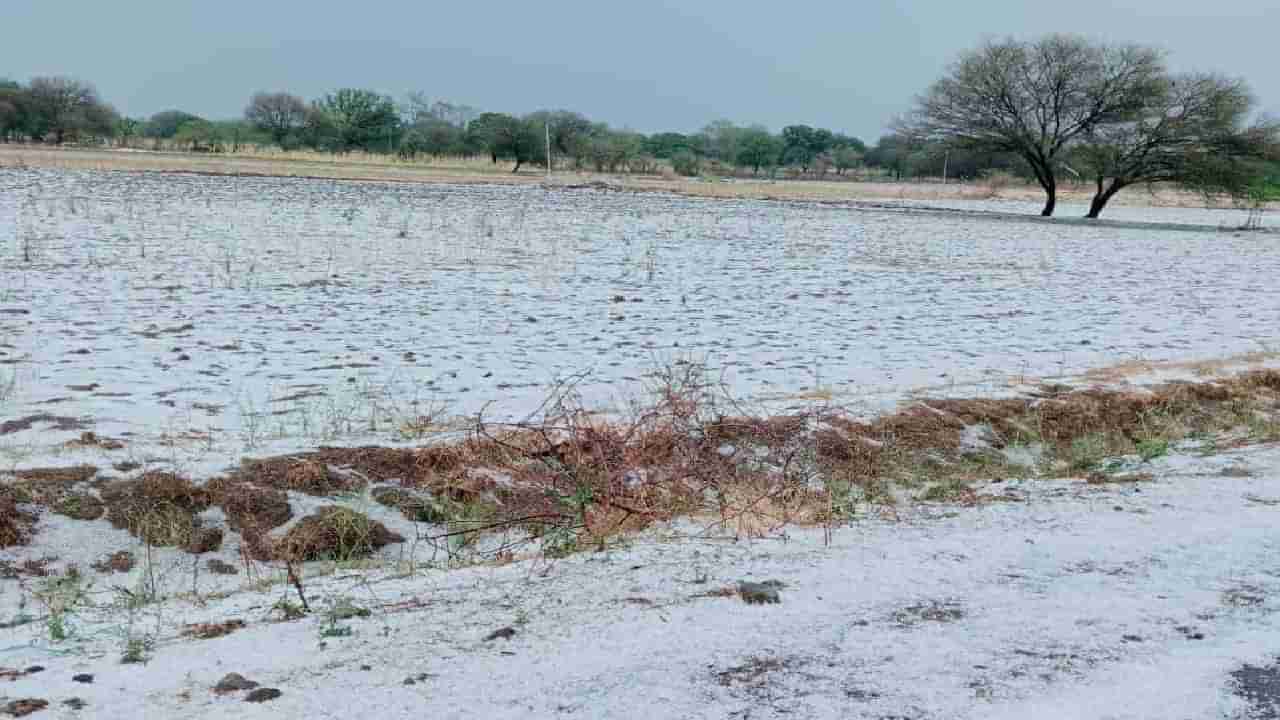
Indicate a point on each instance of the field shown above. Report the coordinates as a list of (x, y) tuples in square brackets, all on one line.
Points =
[(159, 327)]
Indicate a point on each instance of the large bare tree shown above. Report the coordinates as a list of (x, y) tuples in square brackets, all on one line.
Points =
[(1034, 98), (63, 107), (1196, 131), (278, 114)]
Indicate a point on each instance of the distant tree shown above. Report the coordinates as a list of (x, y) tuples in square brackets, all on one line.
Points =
[(12, 105), (570, 131), (1036, 98), (199, 136), (845, 158), (278, 114), (65, 107), (127, 129), (722, 140), (612, 150), (164, 125), (666, 145), (511, 138), (1194, 131), (483, 132), (318, 131), (418, 110), (892, 153), (758, 148), (361, 119), (798, 146), (839, 141), (686, 163)]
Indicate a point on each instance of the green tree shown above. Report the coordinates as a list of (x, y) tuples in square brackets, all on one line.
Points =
[(798, 146), (846, 157), (360, 119), (165, 125), (12, 109), (666, 145), (127, 129), (722, 140), (758, 148)]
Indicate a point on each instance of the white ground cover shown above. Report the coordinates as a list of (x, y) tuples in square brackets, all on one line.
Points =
[(1062, 600), (203, 318)]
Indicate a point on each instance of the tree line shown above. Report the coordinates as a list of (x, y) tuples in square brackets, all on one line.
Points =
[(1055, 109), (59, 109)]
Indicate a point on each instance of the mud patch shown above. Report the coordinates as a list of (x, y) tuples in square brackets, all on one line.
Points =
[(59, 423), (1260, 688)]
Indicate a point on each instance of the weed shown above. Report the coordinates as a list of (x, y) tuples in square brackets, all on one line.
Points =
[(60, 597), (1153, 448), (1087, 452)]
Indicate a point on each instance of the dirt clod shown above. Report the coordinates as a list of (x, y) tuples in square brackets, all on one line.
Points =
[(25, 706), (505, 633), (760, 593), (262, 695), (221, 567), (233, 682)]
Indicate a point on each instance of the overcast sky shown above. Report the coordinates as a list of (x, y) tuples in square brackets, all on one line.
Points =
[(646, 64)]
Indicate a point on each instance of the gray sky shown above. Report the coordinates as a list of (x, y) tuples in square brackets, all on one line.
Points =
[(649, 65)]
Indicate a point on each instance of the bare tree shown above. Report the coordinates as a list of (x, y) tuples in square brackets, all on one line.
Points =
[(1194, 131), (63, 107), (278, 114), (1035, 98)]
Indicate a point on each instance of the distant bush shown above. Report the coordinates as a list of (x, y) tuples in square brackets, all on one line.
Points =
[(686, 163)]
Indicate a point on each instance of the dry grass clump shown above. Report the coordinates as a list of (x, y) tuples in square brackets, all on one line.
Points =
[(117, 562), (79, 506), (333, 533), (209, 631), (299, 473), (250, 506), (414, 507), (571, 479), (159, 508), (16, 525)]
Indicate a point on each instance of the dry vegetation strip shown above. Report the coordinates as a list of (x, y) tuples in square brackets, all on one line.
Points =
[(573, 479)]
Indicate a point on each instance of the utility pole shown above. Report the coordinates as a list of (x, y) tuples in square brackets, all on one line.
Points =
[(547, 126), (946, 162)]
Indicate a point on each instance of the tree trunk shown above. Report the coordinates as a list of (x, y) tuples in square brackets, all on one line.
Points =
[(1101, 198), (517, 167), (1051, 202)]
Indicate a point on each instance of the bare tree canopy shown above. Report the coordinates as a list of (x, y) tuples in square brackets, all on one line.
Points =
[(1193, 130), (1035, 98), (63, 107), (277, 114)]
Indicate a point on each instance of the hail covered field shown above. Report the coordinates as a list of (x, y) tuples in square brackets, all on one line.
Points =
[(240, 313), (184, 322)]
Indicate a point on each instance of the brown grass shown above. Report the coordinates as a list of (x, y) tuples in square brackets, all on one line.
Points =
[(209, 631), (16, 525), (159, 508), (455, 170), (117, 562), (301, 473), (333, 533)]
